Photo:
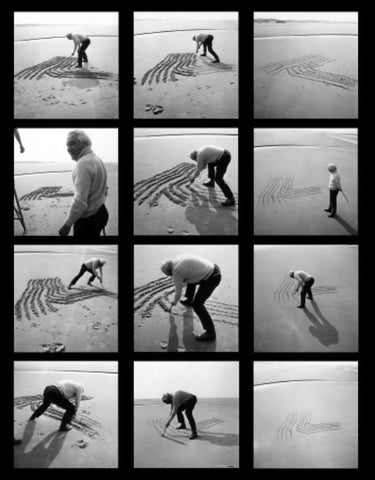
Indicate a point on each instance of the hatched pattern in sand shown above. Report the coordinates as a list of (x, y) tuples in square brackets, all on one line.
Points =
[(62, 67), (174, 185), (279, 189), (309, 67), (43, 295), (300, 422), (46, 192), (285, 292), (183, 65), (158, 292)]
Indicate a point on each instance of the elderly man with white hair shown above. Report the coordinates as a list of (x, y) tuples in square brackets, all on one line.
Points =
[(93, 266), (87, 213), (334, 189), (193, 270), (305, 282), (81, 43), (180, 402), (60, 393)]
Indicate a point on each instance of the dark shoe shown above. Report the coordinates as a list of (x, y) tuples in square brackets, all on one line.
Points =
[(301, 306), (17, 441), (181, 427), (89, 283), (32, 419), (209, 184), (332, 215), (69, 286), (192, 436), (65, 428), (206, 337), (203, 55), (78, 66), (327, 210), (187, 303), (215, 61), (229, 202), (311, 298)]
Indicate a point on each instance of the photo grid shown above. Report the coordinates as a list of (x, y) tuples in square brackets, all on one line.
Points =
[(186, 256)]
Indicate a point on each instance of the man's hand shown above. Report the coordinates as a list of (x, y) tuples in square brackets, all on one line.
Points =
[(64, 230), (170, 310), (22, 148), (192, 180)]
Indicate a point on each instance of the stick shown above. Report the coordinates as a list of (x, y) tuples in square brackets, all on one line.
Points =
[(345, 196)]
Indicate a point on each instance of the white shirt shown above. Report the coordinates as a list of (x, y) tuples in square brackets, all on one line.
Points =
[(301, 277), (70, 389), (334, 182), (93, 264), (207, 154)]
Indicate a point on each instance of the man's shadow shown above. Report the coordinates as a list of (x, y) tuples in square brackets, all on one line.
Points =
[(321, 329), (209, 217), (43, 454), (345, 225), (220, 439), (188, 337)]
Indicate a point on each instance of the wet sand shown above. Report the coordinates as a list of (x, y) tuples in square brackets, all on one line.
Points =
[(92, 443), (163, 204), (47, 315), (217, 445), (327, 324), (306, 420), (155, 329)]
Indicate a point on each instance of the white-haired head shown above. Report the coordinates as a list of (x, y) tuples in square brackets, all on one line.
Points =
[(102, 261), (194, 38), (167, 267), (166, 398), (331, 167), (291, 273), (81, 137), (194, 155)]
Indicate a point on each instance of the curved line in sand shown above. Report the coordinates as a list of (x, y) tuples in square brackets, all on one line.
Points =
[(41, 173), (289, 145), (63, 36), (184, 30), (166, 135), (303, 380)]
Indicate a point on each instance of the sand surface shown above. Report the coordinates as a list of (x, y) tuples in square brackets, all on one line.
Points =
[(305, 76), (46, 210), (306, 423), (304, 28), (327, 324), (162, 207), (58, 90), (92, 443), (83, 319), (216, 447), (157, 330), (291, 183), (187, 86)]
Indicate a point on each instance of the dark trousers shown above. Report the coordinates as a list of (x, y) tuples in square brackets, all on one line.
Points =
[(217, 176), (82, 52), (188, 407), (207, 45), (206, 287), (52, 394), (333, 201), (306, 290), (91, 226), (83, 270)]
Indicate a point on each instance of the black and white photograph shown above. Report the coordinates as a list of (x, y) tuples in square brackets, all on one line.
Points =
[(305, 181), (306, 298), (186, 64), (186, 298), (65, 414), (65, 298), (305, 415), (306, 65), (66, 65), (185, 181), (186, 414), (66, 182)]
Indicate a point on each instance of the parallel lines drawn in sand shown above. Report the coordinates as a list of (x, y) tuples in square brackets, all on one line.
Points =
[(308, 67), (279, 189), (42, 295), (285, 292), (46, 192), (80, 422), (62, 67), (157, 293), (180, 436), (301, 422), (182, 64), (174, 185)]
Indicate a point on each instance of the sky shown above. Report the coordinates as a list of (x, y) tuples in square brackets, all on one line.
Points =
[(203, 379), (66, 365), (324, 16), (66, 18), (49, 144)]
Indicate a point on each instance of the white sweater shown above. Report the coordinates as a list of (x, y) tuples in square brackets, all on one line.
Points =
[(206, 155), (334, 182)]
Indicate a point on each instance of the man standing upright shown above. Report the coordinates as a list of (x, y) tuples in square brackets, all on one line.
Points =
[(206, 40), (305, 282), (334, 189), (179, 402), (87, 213)]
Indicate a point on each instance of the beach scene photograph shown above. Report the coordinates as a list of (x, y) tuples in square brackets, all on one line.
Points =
[(306, 298), (186, 414), (51, 191), (306, 415), (201, 281), (305, 181), (186, 64), (66, 65), (305, 64), (166, 200), (65, 298), (65, 414)]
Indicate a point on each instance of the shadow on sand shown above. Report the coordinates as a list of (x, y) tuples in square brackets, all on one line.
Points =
[(220, 439), (188, 337), (321, 329), (43, 454), (350, 230)]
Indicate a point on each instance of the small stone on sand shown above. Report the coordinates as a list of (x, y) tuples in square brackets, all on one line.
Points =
[(163, 344)]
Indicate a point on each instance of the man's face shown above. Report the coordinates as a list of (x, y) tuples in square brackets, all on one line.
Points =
[(74, 147)]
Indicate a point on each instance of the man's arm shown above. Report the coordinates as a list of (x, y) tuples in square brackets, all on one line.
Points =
[(198, 45), (18, 138), (300, 282), (77, 44), (179, 283), (172, 414), (78, 397), (200, 167), (338, 182)]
